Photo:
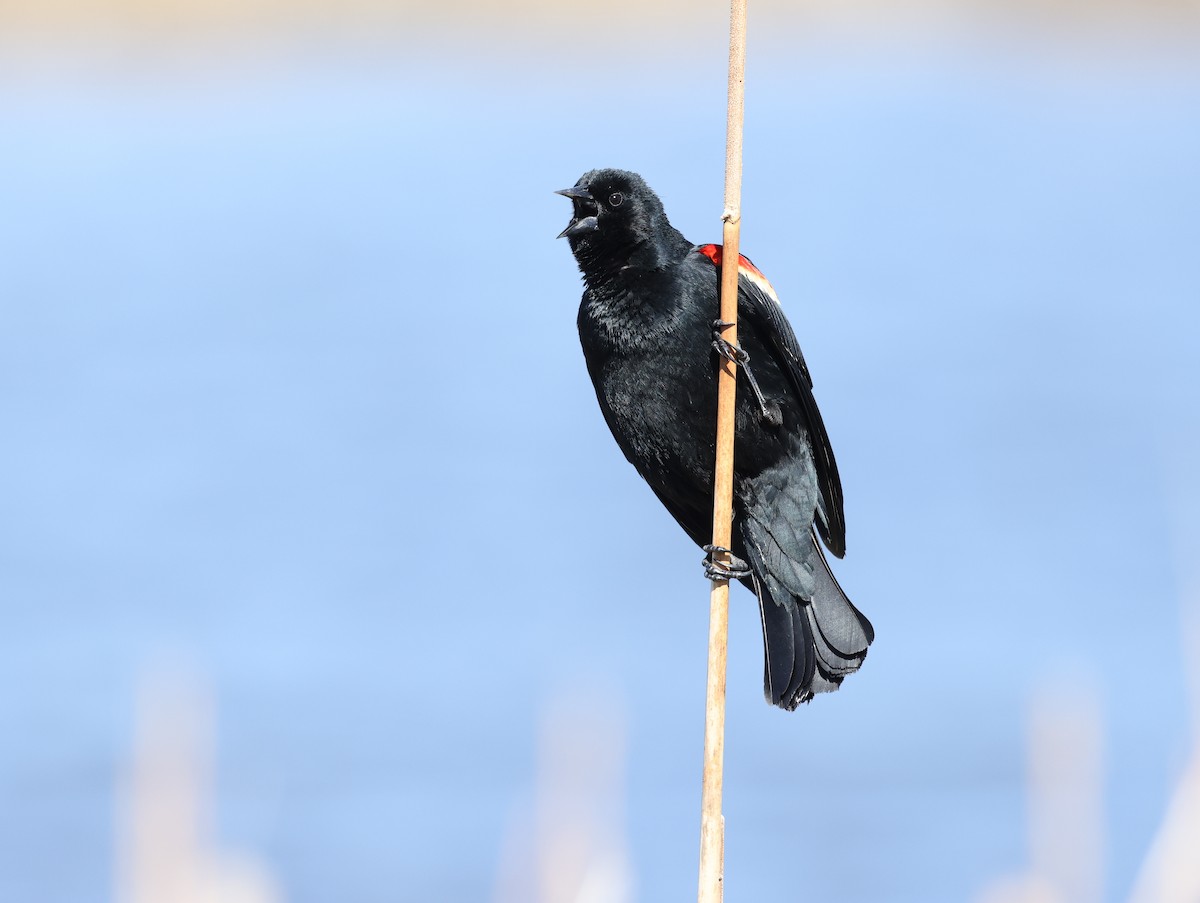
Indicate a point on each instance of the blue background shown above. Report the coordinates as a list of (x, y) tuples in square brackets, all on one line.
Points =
[(291, 393)]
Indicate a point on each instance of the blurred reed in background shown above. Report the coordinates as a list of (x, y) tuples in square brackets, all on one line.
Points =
[(167, 848)]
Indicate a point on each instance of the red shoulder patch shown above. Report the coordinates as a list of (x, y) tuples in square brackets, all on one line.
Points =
[(745, 268)]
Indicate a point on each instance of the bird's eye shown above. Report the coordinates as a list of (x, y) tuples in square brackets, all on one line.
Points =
[(614, 199)]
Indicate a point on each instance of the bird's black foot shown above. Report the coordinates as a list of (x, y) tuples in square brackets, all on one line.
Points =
[(725, 348), (718, 570), (771, 415)]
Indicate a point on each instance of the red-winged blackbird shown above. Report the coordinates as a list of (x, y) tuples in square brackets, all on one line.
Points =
[(648, 325)]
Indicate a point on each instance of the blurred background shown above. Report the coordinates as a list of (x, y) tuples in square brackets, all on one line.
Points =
[(321, 578)]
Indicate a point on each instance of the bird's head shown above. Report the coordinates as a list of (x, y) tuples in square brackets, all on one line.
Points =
[(614, 212)]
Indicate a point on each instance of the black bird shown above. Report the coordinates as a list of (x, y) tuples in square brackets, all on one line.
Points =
[(650, 335)]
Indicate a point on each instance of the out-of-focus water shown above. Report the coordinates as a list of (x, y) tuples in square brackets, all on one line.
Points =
[(290, 389)]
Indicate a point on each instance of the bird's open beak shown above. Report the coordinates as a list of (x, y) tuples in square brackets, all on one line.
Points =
[(578, 225), (576, 192)]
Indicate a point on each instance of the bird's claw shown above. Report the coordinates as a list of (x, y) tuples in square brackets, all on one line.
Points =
[(771, 414), (714, 569), (726, 348)]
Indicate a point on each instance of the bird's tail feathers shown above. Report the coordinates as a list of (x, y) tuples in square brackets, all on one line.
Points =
[(813, 636)]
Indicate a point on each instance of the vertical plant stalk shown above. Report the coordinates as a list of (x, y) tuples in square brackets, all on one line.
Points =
[(712, 822)]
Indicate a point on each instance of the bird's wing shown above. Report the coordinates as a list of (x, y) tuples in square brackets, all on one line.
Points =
[(758, 303)]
